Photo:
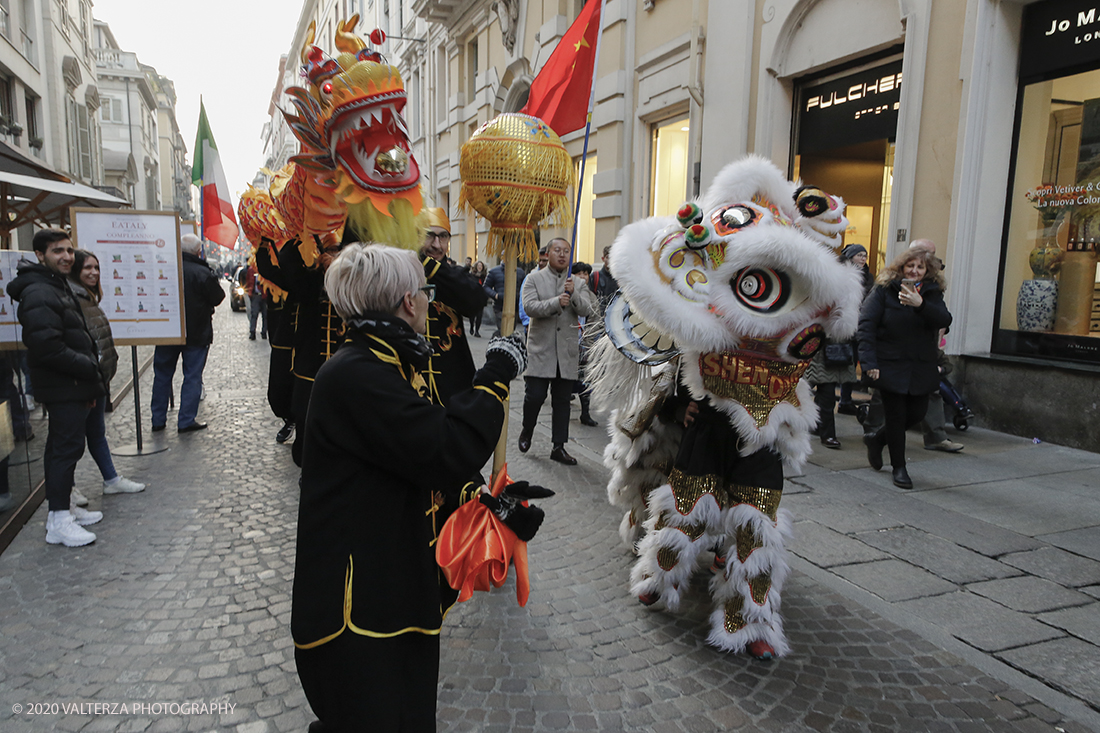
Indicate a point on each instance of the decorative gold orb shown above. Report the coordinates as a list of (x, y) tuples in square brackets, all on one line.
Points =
[(516, 173)]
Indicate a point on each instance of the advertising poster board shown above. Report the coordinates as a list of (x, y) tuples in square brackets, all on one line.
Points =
[(11, 333), (189, 226), (141, 271)]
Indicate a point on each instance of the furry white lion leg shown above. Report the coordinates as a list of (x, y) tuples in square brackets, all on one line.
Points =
[(671, 546), (747, 594)]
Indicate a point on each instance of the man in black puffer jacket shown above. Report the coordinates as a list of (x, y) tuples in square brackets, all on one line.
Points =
[(65, 371)]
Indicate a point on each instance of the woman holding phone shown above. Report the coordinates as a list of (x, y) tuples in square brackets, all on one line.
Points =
[(899, 327)]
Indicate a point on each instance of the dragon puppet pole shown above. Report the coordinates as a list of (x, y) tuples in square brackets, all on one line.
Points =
[(507, 325), (580, 182), (587, 131)]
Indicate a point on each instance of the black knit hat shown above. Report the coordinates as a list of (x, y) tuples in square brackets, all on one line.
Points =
[(852, 250)]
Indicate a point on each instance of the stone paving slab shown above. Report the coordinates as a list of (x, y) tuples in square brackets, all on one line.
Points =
[(894, 580), (1068, 663), (1058, 565), (828, 548), (1023, 506), (936, 555), (1029, 594), (979, 621), (1085, 542), (1081, 621)]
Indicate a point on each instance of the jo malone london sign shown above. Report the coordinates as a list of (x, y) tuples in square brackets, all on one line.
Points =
[(1058, 34)]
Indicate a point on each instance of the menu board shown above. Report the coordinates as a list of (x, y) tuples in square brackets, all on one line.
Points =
[(11, 333), (141, 271)]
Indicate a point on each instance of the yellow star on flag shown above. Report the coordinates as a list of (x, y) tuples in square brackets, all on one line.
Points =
[(579, 44)]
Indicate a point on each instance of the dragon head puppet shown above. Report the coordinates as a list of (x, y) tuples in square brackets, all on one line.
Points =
[(355, 150)]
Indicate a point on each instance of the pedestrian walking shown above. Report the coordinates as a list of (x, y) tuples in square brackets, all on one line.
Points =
[(899, 327), (201, 294), (495, 288), (856, 254), (65, 368), (257, 303), (479, 273), (602, 282), (84, 280)]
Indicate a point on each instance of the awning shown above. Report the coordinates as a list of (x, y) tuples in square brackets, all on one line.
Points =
[(14, 160), (32, 199)]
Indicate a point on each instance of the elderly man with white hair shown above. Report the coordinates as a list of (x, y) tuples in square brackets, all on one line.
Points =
[(382, 468), (202, 292)]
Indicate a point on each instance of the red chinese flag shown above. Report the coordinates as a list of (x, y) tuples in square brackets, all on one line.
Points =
[(562, 89)]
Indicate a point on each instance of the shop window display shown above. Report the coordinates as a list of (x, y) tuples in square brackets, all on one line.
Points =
[(1049, 302)]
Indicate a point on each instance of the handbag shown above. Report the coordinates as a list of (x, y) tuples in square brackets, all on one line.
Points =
[(838, 355)]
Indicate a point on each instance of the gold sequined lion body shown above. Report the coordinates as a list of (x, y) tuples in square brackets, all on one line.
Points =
[(719, 311)]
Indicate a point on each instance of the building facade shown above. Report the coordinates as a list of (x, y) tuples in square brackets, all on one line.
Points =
[(129, 121), (970, 123), (175, 172), (48, 92), (72, 102)]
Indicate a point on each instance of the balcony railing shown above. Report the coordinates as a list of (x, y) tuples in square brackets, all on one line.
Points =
[(5, 22), (112, 58)]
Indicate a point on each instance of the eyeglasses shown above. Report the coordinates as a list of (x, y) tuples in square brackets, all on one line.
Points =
[(428, 290), (441, 236)]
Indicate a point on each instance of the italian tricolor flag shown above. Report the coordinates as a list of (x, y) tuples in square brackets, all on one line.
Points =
[(219, 223)]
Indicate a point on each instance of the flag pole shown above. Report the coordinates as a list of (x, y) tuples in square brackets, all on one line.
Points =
[(587, 132)]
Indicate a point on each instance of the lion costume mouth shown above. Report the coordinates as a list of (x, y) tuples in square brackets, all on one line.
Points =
[(369, 141)]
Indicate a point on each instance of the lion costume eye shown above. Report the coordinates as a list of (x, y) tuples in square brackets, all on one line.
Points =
[(761, 289), (730, 219)]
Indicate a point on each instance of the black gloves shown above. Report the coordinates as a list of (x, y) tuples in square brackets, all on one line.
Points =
[(523, 520), (506, 357)]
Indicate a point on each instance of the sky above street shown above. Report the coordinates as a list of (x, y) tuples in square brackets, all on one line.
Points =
[(225, 50)]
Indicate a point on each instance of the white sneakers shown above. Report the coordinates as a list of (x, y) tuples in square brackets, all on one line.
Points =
[(62, 528), (67, 527), (83, 517), (122, 485)]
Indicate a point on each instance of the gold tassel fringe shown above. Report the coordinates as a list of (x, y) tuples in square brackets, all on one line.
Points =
[(398, 228)]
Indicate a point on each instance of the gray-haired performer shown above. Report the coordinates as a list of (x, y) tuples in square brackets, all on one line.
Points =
[(383, 467)]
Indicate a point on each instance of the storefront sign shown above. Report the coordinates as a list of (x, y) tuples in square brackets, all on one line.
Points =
[(1059, 34), (852, 109)]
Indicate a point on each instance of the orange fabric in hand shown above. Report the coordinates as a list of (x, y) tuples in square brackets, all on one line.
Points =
[(475, 548)]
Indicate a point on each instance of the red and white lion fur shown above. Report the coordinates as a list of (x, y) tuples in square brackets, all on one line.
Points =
[(703, 316)]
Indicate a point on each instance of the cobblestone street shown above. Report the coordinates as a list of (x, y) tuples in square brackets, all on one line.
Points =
[(184, 599)]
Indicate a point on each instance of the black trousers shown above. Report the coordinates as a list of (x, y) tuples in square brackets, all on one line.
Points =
[(903, 411), (64, 447), (359, 684), (535, 394), (825, 399), (303, 388), (280, 383)]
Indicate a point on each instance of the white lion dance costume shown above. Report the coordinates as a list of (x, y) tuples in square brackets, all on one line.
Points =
[(721, 306)]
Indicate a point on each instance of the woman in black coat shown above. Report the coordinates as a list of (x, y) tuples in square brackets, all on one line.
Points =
[(383, 466), (899, 329)]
